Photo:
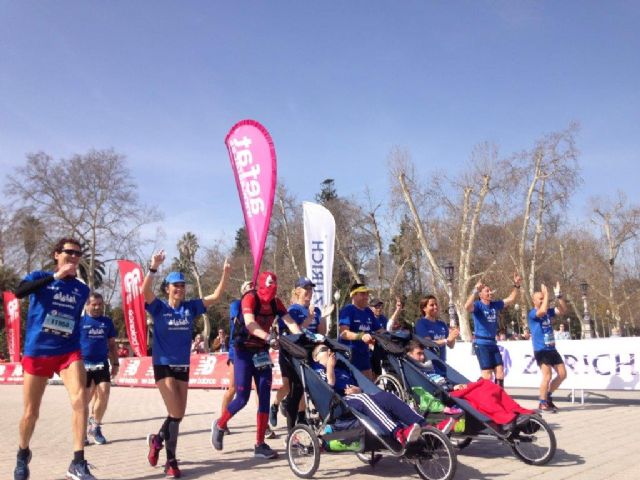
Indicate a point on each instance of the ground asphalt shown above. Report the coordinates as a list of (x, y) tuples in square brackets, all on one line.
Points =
[(597, 440)]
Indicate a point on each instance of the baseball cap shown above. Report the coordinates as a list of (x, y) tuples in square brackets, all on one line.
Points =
[(358, 288), (375, 302), (175, 277), (304, 282)]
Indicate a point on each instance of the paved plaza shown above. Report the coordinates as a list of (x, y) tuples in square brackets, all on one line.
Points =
[(597, 440)]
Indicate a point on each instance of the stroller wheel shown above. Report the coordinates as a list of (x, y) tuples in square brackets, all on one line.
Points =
[(438, 460), (533, 442), (303, 451), (391, 384)]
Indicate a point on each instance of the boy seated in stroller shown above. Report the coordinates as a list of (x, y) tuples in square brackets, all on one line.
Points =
[(484, 395), (387, 411)]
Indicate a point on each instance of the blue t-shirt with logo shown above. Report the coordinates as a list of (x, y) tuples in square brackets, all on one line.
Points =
[(172, 329), (435, 330), (485, 321), (542, 335), (54, 317), (344, 378), (94, 338), (299, 313), (358, 321)]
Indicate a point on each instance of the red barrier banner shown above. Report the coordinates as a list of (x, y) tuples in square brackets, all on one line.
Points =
[(10, 374), (135, 318), (206, 371), (12, 325)]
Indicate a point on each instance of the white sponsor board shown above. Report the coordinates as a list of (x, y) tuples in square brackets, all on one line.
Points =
[(596, 364)]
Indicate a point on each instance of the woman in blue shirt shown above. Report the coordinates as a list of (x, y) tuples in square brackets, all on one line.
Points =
[(172, 328)]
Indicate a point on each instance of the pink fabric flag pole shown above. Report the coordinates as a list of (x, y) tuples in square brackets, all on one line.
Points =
[(253, 160), (135, 318)]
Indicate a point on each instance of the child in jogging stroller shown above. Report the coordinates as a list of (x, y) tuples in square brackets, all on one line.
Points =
[(486, 409), (345, 408)]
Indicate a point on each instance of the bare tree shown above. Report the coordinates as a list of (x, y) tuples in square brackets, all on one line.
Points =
[(620, 223), (89, 196)]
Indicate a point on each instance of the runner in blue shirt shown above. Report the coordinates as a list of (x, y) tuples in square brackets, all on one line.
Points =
[(98, 345), (434, 329), (52, 345), (356, 323), (485, 326), (172, 328), (544, 344), (307, 317)]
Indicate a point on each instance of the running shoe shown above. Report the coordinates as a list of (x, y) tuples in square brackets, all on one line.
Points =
[(217, 435), (98, 438), (273, 415), (79, 471), (408, 434), (264, 451), (283, 407), (544, 406), (171, 469), (21, 472), (91, 425), (551, 404), (155, 445), (269, 433)]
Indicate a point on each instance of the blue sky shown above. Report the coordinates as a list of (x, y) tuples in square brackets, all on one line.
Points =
[(337, 83)]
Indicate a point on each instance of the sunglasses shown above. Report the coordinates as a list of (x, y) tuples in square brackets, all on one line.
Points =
[(178, 285), (322, 349), (73, 253)]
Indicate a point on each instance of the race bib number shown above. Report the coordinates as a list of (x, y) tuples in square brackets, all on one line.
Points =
[(58, 324), (262, 360), (93, 367), (549, 340)]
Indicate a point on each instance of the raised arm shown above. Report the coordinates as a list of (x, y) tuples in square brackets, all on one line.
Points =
[(147, 284), (544, 305), (468, 305), (517, 281), (561, 304), (215, 296)]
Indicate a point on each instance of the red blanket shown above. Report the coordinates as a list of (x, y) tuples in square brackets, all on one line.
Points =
[(492, 400)]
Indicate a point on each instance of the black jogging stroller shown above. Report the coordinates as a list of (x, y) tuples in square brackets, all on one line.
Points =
[(433, 455), (529, 436)]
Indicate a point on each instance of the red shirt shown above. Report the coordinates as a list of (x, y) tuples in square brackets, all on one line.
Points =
[(264, 318)]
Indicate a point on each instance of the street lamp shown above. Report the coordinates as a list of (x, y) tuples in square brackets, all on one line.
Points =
[(336, 298), (448, 275), (586, 318)]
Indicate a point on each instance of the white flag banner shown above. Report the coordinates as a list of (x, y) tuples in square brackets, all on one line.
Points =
[(319, 241)]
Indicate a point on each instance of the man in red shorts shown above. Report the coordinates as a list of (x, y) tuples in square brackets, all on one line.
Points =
[(52, 345)]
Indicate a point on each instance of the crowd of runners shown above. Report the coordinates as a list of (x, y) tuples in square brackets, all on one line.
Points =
[(68, 334)]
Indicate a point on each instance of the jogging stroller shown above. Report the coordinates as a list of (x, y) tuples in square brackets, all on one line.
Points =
[(529, 436), (432, 455)]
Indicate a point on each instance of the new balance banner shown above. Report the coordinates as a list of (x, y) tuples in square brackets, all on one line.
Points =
[(319, 240), (135, 318), (253, 160), (12, 325)]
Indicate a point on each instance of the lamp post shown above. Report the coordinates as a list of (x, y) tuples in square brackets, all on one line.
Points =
[(448, 275), (586, 318), (336, 298)]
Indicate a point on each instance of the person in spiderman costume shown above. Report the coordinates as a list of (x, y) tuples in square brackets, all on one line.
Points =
[(260, 308)]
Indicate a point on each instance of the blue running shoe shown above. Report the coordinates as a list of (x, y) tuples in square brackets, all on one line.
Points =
[(217, 435), (21, 471), (79, 471), (264, 451), (98, 438)]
